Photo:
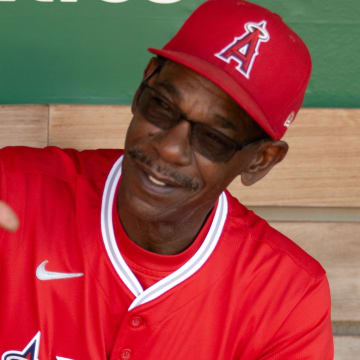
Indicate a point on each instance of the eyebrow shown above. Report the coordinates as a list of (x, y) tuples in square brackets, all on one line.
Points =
[(224, 122), (168, 86)]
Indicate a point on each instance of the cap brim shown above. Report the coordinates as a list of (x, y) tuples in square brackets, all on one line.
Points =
[(221, 79)]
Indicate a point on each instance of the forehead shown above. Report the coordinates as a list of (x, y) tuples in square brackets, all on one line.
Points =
[(196, 92), (182, 80)]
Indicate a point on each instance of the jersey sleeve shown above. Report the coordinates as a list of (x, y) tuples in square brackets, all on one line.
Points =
[(3, 194), (306, 333)]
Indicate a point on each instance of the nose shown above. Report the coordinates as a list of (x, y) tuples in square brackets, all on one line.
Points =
[(173, 145)]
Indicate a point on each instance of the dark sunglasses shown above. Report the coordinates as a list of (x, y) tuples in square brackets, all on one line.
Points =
[(207, 141)]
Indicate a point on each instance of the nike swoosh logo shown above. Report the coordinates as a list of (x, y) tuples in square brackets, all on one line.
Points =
[(43, 274)]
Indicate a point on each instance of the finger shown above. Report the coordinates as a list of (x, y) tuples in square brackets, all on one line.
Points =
[(8, 218)]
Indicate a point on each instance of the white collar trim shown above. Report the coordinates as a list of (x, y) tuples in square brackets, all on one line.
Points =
[(127, 276)]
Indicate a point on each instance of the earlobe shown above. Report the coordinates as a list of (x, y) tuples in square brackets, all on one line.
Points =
[(266, 155)]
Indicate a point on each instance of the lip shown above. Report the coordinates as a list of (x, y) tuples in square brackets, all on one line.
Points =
[(144, 173)]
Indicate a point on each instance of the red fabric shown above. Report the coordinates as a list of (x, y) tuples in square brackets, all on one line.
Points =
[(150, 267), (258, 296), (273, 88)]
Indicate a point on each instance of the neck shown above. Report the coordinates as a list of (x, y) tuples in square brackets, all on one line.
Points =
[(162, 237)]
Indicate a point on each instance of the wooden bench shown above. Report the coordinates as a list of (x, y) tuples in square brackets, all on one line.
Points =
[(313, 196)]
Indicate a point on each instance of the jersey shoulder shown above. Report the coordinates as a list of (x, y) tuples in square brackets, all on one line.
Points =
[(260, 232), (63, 164)]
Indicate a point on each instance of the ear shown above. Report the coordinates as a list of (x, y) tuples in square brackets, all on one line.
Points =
[(265, 155), (150, 67)]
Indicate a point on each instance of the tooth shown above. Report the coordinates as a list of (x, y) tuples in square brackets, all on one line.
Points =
[(156, 181)]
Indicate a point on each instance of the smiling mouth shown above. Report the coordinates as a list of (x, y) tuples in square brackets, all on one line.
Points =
[(170, 177), (156, 181)]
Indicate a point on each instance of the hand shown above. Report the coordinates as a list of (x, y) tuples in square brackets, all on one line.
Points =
[(8, 219)]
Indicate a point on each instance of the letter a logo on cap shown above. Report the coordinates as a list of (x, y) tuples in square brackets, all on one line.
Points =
[(244, 49)]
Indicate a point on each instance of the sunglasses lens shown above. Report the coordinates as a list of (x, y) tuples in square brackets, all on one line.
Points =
[(156, 109), (209, 142)]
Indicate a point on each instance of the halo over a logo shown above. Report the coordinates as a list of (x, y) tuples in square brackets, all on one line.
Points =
[(244, 48)]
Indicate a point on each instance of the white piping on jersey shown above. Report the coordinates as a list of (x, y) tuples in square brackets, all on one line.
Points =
[(184, 272), (107, 230)]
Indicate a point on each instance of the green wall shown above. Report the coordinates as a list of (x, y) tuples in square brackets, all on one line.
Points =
[(93, 51)]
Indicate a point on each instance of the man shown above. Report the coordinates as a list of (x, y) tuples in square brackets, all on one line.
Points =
[(144, 255)]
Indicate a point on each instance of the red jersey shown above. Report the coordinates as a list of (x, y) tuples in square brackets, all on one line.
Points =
[(74, 287)]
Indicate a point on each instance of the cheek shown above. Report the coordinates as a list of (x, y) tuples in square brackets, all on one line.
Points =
[(138, 131), (213, 174), (217, 176)]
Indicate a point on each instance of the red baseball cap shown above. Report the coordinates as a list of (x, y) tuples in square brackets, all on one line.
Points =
[(251, 54)]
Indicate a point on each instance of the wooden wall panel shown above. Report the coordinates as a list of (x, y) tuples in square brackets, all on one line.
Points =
[(321, 168), (88, 127), (24, 125), (308, 214), (337, 247), (347, 347)]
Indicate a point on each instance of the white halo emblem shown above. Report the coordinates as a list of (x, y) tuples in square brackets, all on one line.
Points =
[(251, 27)]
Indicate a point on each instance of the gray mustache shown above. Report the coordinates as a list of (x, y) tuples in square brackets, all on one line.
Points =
[(182, 180)]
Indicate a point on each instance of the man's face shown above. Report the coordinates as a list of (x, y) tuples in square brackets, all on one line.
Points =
[(164, 178)]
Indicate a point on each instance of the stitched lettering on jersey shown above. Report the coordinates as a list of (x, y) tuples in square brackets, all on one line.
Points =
[(244, 48), (30, 352)]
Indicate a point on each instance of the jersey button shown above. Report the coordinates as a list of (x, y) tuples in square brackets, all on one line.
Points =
[(125, 354), (136, 321)]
